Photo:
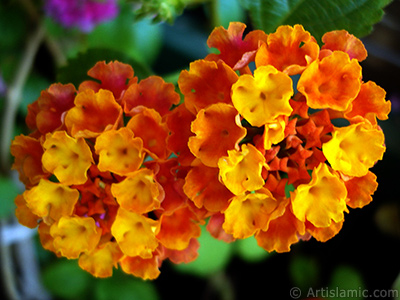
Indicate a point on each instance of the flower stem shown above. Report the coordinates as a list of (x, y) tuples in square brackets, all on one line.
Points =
[(14, 95)]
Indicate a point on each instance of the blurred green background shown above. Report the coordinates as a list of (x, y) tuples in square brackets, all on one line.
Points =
[(35, 51)]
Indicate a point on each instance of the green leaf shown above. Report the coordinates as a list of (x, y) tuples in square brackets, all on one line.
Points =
[(140, 40), (76, 69), (249, 250), (66, 280), (13, 27), (124, 287), (8, 192), (346, 278), (214, 255), (318, 17), (226, 11), (304, 272)]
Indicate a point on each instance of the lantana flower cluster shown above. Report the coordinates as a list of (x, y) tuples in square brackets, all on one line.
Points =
[(275, 139)]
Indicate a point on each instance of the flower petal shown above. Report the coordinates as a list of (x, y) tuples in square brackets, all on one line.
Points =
[(218, 122), (119, 151), (27, 152), (66, 157), (93, 113), (178, 229), (24, 213), (289, 49), (206, 83), (148, 125), (347, 152), (51, 201), (152, 92), (101, 260), (360, 190), (145, 268), (241, 171), (230, 44), (281, 233), (321, 201), (249, 213), (113, 76), (139, 192), (52, 104), (204, 189), (135, 233), (343, 41), (333, 82), (264, 97), (369, 104), (75, 235)]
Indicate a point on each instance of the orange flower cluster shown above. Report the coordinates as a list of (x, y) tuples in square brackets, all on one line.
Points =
[(268, 143), (100, 179), (276, 128)]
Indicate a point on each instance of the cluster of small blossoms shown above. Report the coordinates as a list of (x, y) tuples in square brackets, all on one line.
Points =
[(118, 173), (265, 157), (82, 14), (101, 183)]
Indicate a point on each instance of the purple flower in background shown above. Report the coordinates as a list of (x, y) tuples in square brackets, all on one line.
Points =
[(83, 14)]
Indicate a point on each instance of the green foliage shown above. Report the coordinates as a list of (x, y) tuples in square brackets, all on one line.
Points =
[(8, 191), (226, 11), (317, 16), (66, 280), (214, 255), (249, 251), (304, 272), (346, 278), (124, 287), (138, 40)]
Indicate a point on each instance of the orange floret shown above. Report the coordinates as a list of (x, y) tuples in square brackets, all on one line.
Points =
[(249, 213), (333, 82), (145, 268), (321, 201), (341, 40), (93, 113), (51, 201), (66, 157), (119, 151), (289, 49), (235, 51), (135, 233), (360, 190), (206, 83), (100, 261), (204, 189), (114, 76), (152, 92), (27, 152), (241, 171), (264, 97), (179, 122), (148, 125), (177, 229), (217, 130), (24, 213), (369, 104), (347, 151), (139, 192), (281, 233), (75, 235), (47, 112)]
